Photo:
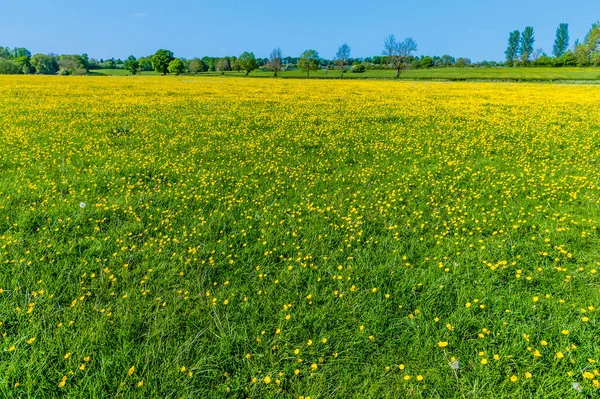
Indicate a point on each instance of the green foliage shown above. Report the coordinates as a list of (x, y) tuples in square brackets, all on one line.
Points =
[(44, 64), (426, 62), (526, 44), (9, 67), (247, 62), (131, 64), (512, 51), (197, 65), (561, 43), (161, 60), (309, 61), (71, 64), (359, 68), (176, 66)]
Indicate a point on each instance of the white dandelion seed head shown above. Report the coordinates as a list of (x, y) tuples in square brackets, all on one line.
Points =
[(577, 387), (454, 365), (82, 205)]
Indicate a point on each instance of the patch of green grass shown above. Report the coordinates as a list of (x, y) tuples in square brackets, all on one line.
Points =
[(519, 74), (221, 237), (119, 72)]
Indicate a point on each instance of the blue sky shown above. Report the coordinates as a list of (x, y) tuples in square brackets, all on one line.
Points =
[(107, 28)]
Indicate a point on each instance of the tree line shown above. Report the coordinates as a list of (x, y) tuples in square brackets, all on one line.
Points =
[(397, 55), (520, 50)]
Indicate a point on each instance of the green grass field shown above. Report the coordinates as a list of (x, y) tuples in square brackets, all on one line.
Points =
[(510, 74), (202, 237)]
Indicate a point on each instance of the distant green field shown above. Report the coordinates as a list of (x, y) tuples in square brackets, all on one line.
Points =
[(527, 74), (457, 74), (118, 72)]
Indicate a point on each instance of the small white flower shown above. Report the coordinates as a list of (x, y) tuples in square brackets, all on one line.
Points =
[(82, 205), (454, 365), (577, 387)]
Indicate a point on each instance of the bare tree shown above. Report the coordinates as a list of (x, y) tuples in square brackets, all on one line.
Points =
[(275, 61), (398, 53), (342, 56)]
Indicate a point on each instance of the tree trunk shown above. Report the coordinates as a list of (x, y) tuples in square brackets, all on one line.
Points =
[(397, 73)]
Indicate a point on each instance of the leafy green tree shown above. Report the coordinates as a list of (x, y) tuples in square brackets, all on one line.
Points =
[(145, 63), (24, 63), (5, 52), (196, 65), (526, 44), (71, 64), (161, 60), (21, 52), (223, 64), (44, 64), (342, 57), (309, 61), (247, 62), (591, 44), (447, 60), (512, 51), (561, 43), (426, 62), (176, 66), (9, 67), (131, 64), (462, 62)]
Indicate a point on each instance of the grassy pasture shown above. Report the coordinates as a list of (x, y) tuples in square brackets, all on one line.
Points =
[(228, 238), (509, 74)]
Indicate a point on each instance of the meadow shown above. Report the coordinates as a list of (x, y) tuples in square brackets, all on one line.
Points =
[(209, 237), (541, 74)]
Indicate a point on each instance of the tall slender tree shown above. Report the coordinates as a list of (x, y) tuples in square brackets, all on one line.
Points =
[(512, 51), (526, 45), (561, 43)]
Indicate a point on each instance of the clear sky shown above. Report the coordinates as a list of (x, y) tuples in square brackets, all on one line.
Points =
[(119, 28)]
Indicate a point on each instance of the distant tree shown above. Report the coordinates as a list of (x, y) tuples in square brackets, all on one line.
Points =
[(222, 64), (24, 63), (537, 54), (236, 66), (398, 53), (85, 62), (247, 62), (176, 66), (309, 61), (131, 64), (161, 60), (342, 57), (196, 65), (5, 52), (512, 51), (44, 64), (462, 62), (426, 62), (145, 63), (70, 64), (358, 68), (526, 44), (561, 43), (275, 61), (447, 60), (21, 52), (9, 67), (591, 44)]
